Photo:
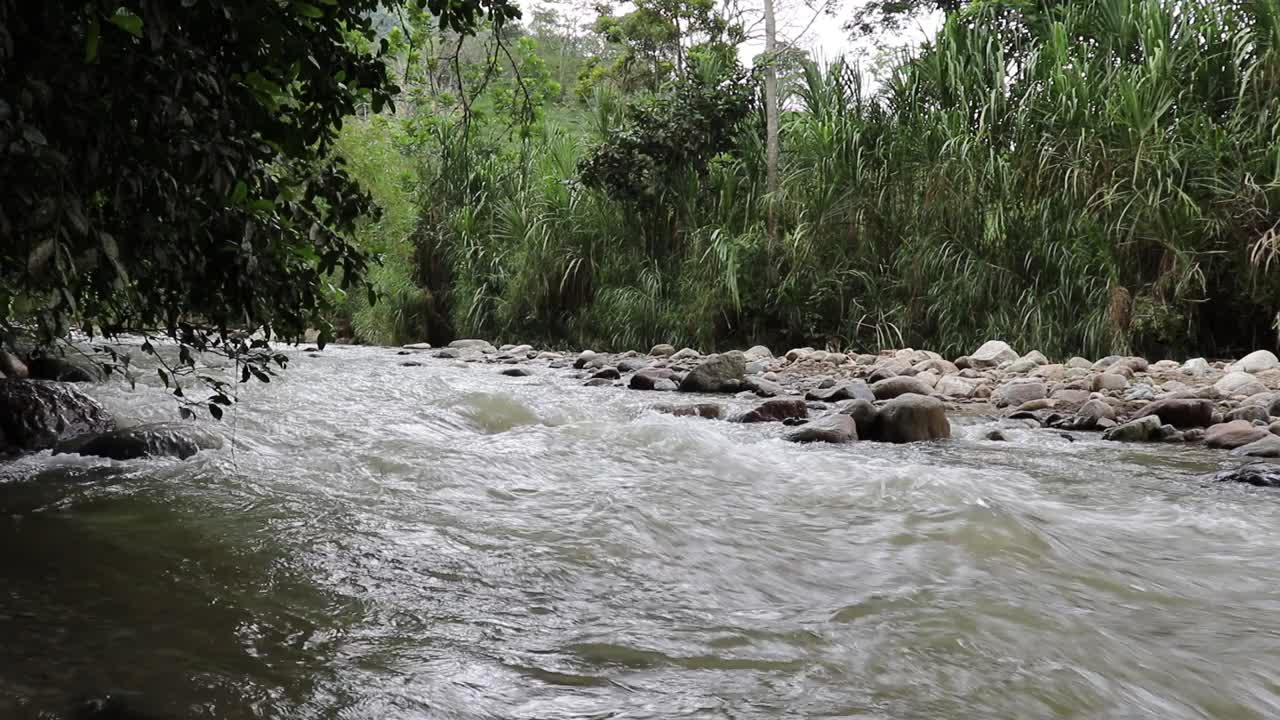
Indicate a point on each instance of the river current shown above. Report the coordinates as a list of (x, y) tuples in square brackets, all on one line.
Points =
[(385, 542)]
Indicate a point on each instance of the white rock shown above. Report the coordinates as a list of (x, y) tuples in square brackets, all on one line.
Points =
[(956, 387), (758, 352), (992, 353), (1196, 367), (1165, 365), (1036, 357), (797, 354), (417, 346), (1257, 361), (687, 354), (1109, 381), (483, 346), (1239, 383), (1079, 362)]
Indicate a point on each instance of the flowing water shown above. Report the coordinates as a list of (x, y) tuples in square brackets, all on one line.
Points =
[(391, 542)]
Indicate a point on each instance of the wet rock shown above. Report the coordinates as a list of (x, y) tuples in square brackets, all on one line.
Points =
[(912, 418), (632, 364), (837, 428), (1230, 435), (517, 372), (37, 414), (663, 350), (994, 435), (776, 411), (1180, 412), (606, 374), (763, 388), (589, 360), (1256, 362), (1142, 429), (1239, 383), (854, 390), (864, 415), (1251, 414), (598, 382), (1261, 474), (1018, 392), (1109, 381), (648, 378), (686, 354), (717, 374), (449, 354), (180, 440), (665, 386), (61, 369), (410, 363), (1267, 446), (1196, 367), (893, 387), (992, 354), (398, 352), (710, 411), (758, 352), (472, 345), (11, 366)]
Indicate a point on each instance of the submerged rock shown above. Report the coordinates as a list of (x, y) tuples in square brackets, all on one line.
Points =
[(648, 378), (517, 372), (763, 388), (911, 418), (837, 429), (710, 411), (775, 410), (1262, 474), (180, 440), (37, 414), (717, 374)]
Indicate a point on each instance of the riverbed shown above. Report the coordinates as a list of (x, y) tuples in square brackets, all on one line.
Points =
[(388, 542)]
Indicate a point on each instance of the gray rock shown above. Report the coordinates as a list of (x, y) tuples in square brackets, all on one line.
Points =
[(775, 410), (937, 365), (1095, 410), (1239, 383), (606, 374), (710, 411), (755, 367), (956, 387), (57, 368), (1109, 381), (717, 374), (37, 414), (648, 378), (1252, 414), (11, 366), (1018, 392), (1256, 362), (758, 352), (180, 440), (1180, 412), (763, 388), (632, 364), (663, 350), (417, 346), (992, 354), (1267, 446), (864, 414), (837, 428), (1036, 357), (893, 368), (1259, 473), (1070, 397), (912, 418), (1143, 429), (449, 354), (1138, 392), (482, 346), (519, 349), (798, 354), (517, 372), (686, 354), (1021, 366), (599, 382), (1230, 435), (1275, 428), (589, 359), (893, 387), (665, 386), (1079, 363), (853, 390), (1196, 367)]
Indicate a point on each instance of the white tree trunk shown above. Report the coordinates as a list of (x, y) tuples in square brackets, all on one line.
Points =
[(773, 150)]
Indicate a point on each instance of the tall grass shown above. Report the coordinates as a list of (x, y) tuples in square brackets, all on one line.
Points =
[(1093, 177)]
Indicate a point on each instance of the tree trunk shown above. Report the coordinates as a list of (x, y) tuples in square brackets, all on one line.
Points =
[(772, 145)]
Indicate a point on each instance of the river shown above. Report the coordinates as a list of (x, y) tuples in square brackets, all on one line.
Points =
[(389, 542)]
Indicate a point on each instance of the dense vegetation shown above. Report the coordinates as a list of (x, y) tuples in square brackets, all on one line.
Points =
[(1081, 177)]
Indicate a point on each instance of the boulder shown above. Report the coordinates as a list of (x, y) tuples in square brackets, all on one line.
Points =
[(864, 415), (893, 368), (776, 410), (837, 428), (38, 414), (1109, 381), (632, 364), (956, 387), (1070, 397), (57, 368), (449, 354), (663, 350), (1020, 366), (758, 352), (606, 374), (665, 386), (853, 390), (1093, 411), (517, 372), (763, 388), (1259, 473), (710, 411), (482, 346), (11, 366), (1018, 392), (937, 365), (686, 354), (1180, 412), (1142, 429), (180, 440), (911, 418), (717, 374), (1239, 383), (993, 353), (1079, 363), (1196, 367), (1036, 357), (1252, 414), (1231, 435), (798, 354), (893, 387), (1256, 362), (648, 378), (1267, 446)]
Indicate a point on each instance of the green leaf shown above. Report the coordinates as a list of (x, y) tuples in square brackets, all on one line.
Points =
[(239, 193), (308, 10), (91, 40), (129, 23)]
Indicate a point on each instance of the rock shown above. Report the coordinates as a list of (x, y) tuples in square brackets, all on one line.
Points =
[(57, 368), (763, 388), (1165, 365), (686, 354), (1094, 410), (756, 367), (1070, 397), (606, 374), (648, 378), (410, 363), (937, 365), (1230, 435), (1121, 369), (588, 359), (1109, 381), (758, 352), (1267, 446), (1140, 392), (912, 418), (1020, 366), (1196, 367), (994, 435), (1262, 474), (1180, 412), (716, 374), (1018, 392), (37, 414), (517, 372), (1257, 361), (956, 387), (710, 411), (1252, 414), (11, 366), (1036, 357), (776, 411), (837, 428), (893, 387), (598, 382), (1040, 404), (1051, 373), (864, 415), (1140, 430), (1134, 363), (180, 440), (1275, 428), (853, 390), (1239, 383), (993, 353), (665, 386), (520, 349), (1079, 363), (889, 370), (798, 354), (449, 354), (963, 362), (633, 364), (663, 350), (482, 346)]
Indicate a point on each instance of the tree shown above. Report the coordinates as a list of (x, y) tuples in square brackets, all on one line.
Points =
[(167, 166), (773, 149), (876, 16)]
